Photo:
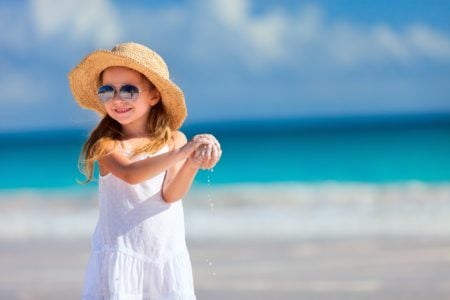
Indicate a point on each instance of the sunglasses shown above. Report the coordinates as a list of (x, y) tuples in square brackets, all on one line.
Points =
[(127, 92)]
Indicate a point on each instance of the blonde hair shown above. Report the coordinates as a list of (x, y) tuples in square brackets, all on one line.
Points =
[(108, 133)]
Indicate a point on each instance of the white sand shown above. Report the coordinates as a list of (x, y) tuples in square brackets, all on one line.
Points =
[(329, 269), (327, 241)]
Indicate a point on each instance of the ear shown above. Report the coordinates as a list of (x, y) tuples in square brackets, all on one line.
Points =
[(154, 97)]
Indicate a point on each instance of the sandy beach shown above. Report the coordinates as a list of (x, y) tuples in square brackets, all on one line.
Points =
[(375, 268), (330, 241)]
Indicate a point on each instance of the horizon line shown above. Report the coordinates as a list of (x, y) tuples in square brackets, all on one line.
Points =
[(294, 122)]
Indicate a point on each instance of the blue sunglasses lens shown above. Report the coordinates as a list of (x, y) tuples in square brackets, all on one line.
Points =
[(106, 93), (127, 92)]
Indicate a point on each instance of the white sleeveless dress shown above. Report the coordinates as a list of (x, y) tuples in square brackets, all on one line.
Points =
[(138, 247)]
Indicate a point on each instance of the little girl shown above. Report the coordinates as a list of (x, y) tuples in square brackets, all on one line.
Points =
[(146, 167)]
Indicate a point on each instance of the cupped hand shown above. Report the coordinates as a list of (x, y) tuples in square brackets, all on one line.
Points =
[(190, 147), (208, 154)]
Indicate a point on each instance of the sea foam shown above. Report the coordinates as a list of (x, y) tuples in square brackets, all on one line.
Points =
[(247, 211)]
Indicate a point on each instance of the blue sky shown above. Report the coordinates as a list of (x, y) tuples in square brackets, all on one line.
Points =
[(234, 59)]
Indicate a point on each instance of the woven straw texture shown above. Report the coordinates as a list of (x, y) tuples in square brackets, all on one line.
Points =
[(84, 79)]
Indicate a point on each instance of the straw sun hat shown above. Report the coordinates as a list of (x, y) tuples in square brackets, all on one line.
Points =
[(85, 78)]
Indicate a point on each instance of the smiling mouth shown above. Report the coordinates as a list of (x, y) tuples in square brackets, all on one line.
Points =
[(122, 110)]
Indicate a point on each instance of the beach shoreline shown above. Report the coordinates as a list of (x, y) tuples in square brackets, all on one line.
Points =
[(238, 212)]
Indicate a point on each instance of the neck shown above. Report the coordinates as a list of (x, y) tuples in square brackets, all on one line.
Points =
[(129, 132)]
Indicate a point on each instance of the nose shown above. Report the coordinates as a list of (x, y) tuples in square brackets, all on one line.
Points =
[(116, 97)]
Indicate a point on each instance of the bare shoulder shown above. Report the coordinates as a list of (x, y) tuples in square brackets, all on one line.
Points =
[(179, 139)]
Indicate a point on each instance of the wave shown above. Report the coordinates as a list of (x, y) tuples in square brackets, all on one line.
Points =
[(245, 211)]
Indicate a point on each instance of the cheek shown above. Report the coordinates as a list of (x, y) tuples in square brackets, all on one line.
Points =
[(107, 107), (143, 106), (110, 106)]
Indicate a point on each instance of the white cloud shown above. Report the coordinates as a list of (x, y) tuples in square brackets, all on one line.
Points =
[(276, 37), (256, 40), (229, 29), (232, 13), (93, 21), (305, 36), (429, 42), (390, 44), (353, 45), (293, 39), (266, 36)]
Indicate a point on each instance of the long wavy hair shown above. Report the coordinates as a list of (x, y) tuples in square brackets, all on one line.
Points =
[(109, 132)]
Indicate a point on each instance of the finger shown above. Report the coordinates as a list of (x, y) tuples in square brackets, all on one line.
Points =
[(210, 162), (208, 151), (199, 152), (214, 140), (205, 151), (205, 160), (215, 152)]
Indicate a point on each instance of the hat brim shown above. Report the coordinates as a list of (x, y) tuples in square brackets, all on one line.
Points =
[(84, 82)]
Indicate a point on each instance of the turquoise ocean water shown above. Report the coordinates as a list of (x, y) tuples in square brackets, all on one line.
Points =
[(288, 179), (373, 150)]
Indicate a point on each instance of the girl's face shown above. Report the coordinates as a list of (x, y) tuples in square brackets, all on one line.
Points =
[(131, 114)]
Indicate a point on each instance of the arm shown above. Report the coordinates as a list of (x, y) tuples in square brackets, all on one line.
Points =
[(134, 172), (180, 176)]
